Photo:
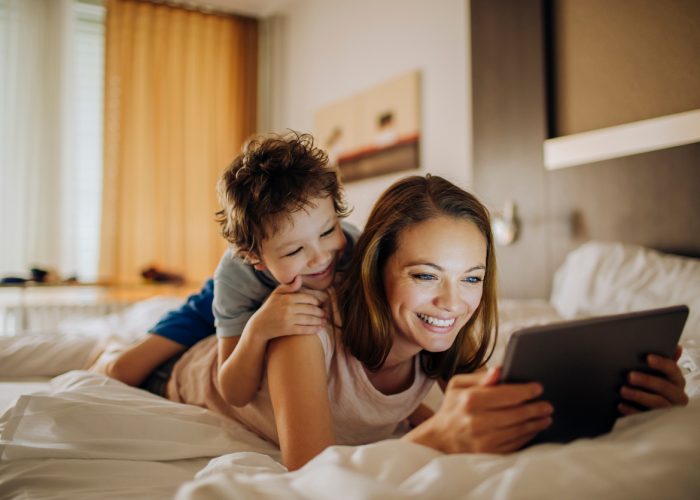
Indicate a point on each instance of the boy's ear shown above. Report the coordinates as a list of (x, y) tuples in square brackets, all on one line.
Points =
[(255, 261)]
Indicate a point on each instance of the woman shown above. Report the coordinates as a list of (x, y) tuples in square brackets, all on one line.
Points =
[(417, 305)]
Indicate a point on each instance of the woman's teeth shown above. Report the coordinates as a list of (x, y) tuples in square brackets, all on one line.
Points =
[(436, 321)]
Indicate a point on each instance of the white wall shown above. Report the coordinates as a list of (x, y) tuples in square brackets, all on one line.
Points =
[(327, 50)]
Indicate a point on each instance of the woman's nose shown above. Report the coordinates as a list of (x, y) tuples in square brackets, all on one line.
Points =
[(448, 299)]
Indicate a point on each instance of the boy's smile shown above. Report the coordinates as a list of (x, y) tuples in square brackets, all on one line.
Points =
[(308, 244)]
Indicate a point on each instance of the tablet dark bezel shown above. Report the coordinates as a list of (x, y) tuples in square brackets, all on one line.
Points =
[(583, 363)]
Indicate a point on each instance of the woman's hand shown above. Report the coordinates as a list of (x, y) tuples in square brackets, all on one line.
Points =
[(654, 391), (478, 416)]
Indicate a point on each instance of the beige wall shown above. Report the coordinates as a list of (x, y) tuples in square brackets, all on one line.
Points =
[(325, 50)]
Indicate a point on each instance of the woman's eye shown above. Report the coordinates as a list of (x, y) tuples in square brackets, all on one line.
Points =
[(473, 279), (326, 233), (290, 254), (424, 277)]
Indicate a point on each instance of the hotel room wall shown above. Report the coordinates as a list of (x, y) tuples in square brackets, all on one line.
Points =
[(649, 199), (332, 50)]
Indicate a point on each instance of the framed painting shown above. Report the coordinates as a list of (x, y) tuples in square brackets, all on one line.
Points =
[(374, 132)]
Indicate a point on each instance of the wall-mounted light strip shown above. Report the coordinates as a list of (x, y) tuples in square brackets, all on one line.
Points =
[(622, 140)]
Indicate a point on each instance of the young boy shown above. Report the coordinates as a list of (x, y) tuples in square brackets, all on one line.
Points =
[(281, 207), (281, 210)]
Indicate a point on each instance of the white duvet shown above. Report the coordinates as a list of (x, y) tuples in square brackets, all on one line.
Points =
[(92, 437)]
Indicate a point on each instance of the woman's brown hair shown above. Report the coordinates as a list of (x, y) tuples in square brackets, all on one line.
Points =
[(367, 324)]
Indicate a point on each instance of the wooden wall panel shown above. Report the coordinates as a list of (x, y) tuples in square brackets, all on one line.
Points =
[(651, 199), (623, 61), (509, 126)]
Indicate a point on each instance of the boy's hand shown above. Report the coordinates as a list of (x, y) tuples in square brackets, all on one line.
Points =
[(289, 310)]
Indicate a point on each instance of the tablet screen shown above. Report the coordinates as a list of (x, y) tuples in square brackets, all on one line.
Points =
[(583, 364)]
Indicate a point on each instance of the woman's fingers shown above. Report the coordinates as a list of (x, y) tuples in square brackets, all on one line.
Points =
[(668, 367), (514, 416), (674, 393), (677, 353), (516, 444), (466, 380), (512, 438), (627, 409), (484, 398), (653, 391), (646, 399)]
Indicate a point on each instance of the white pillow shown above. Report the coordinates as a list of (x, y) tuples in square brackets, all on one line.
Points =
[(75, 340), (607, 278), (41, 355)]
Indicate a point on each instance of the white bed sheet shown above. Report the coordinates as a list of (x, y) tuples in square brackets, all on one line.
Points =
[(92, 437)]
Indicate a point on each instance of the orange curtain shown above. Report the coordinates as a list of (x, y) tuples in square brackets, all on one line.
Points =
[(180, 99)]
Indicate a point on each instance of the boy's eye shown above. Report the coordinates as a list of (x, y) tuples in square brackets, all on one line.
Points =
[(294, 252), (326, 233)]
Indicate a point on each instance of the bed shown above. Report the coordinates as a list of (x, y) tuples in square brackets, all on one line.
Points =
[(73, 434)]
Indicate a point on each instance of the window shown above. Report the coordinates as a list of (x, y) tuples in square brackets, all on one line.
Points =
[(51, 93), (88, 55)]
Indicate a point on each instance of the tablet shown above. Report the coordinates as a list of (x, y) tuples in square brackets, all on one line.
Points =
[(582, 364)]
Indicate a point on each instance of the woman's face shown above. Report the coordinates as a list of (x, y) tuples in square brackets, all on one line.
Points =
[(434, 282)]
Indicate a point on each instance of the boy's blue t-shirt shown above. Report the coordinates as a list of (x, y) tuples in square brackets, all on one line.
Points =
[(194, 320)]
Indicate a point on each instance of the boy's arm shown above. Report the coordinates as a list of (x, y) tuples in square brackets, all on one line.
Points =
[(241, 361), (288, 311)]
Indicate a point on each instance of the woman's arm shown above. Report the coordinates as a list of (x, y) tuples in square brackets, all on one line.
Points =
[(299, 392), (478, 416)]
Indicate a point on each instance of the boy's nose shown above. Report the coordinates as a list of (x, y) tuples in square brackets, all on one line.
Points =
[(319, 257)]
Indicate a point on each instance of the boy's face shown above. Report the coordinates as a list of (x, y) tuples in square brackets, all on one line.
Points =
[(308, 244)]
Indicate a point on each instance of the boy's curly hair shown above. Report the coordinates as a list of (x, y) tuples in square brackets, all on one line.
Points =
[(273, 177)]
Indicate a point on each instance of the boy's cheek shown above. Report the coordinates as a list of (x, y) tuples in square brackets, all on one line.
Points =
[(341, 241)]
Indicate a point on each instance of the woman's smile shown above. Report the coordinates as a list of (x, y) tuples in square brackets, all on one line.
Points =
[(437, 323)]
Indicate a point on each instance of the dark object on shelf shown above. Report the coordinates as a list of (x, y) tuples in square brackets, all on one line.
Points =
[(155, 275), (13, 280), (39, 275)]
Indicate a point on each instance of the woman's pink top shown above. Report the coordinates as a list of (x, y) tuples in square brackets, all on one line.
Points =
[(361, 413)]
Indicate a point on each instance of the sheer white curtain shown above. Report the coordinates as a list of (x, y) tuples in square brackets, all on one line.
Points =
[(46, 191)]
